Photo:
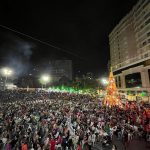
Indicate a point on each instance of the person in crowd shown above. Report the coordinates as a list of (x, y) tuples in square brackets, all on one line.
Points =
[(114, 147), (37, 120), (78, 146)]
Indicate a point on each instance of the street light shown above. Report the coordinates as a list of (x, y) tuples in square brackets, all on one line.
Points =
[(104, 81), (6, 72), (45, 79)]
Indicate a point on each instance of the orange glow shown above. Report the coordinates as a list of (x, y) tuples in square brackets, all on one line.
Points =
[(112, 97)]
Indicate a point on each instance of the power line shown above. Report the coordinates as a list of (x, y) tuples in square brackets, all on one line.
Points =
[(40, 41)]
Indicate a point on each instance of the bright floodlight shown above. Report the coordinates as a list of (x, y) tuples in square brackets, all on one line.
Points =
[(104, 81), (45, 79), (7, 72)]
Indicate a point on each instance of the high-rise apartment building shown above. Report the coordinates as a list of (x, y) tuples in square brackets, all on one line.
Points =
[(130, 49)]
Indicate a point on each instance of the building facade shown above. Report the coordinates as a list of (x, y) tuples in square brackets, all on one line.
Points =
[(130, 49), (56, 68), (61, 68)]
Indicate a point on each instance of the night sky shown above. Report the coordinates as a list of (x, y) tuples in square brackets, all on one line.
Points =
[(80, 28)]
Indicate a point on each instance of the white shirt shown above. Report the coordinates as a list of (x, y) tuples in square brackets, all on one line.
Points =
[(4, 140)]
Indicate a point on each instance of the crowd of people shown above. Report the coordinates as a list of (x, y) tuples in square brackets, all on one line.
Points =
[(39, 120)]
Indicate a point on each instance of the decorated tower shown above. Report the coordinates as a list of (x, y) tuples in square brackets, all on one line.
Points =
[(112, 97)]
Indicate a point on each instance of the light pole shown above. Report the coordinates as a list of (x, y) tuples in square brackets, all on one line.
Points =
[(104, 82), (45, 79), (6, 72)]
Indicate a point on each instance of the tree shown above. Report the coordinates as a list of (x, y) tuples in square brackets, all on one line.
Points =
[(112, 97)]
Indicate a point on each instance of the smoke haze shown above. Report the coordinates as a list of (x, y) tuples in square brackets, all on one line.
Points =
[(18, 53)]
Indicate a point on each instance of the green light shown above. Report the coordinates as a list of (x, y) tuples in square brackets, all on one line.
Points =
[(72, 90), (143, 94)]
